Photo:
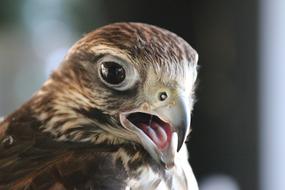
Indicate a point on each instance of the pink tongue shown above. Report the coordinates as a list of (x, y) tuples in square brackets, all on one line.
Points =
[(160, 135)]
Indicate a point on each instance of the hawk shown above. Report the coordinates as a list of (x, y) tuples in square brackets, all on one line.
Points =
[(114, 115)]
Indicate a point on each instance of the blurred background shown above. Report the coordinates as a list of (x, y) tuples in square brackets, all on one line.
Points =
[(237, 140)]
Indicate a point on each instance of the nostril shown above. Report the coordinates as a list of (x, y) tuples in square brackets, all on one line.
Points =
[(163, 96)]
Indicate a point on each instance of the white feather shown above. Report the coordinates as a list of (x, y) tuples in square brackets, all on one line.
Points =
[(181, 175)]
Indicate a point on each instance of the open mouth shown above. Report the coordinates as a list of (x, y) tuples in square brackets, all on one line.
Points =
[(156, 129)]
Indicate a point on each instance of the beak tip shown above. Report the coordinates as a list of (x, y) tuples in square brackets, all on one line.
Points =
[(182, 133), (179, 146)]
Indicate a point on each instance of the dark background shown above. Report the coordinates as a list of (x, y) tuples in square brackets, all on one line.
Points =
[(224, 140), (224, 32)]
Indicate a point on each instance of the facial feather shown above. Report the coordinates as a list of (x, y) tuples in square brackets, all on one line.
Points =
[(74, 97), (76, 109)]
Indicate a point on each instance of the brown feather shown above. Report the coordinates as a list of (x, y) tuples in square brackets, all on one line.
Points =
[(61, 138)]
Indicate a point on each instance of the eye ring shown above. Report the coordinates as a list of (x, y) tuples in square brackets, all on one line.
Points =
[(123, 75)]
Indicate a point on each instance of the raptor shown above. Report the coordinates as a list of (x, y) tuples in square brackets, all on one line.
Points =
[(114, 115)]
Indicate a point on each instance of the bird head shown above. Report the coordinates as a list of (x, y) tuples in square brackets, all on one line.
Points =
[(125, 82)]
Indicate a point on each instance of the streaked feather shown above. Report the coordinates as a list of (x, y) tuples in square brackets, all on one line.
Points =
[(68, 136)]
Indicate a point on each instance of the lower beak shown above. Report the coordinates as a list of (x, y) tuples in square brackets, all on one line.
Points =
[(176, 116)]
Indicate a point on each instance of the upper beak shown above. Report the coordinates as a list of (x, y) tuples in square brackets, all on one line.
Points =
[(179, 116)]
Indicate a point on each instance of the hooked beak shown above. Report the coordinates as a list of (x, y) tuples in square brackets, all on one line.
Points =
[(179, 116), (163, 130)]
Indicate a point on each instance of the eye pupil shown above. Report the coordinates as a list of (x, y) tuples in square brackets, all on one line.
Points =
[(112, 72)]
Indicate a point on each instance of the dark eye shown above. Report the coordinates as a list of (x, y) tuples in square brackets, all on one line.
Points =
[(112, 72)]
